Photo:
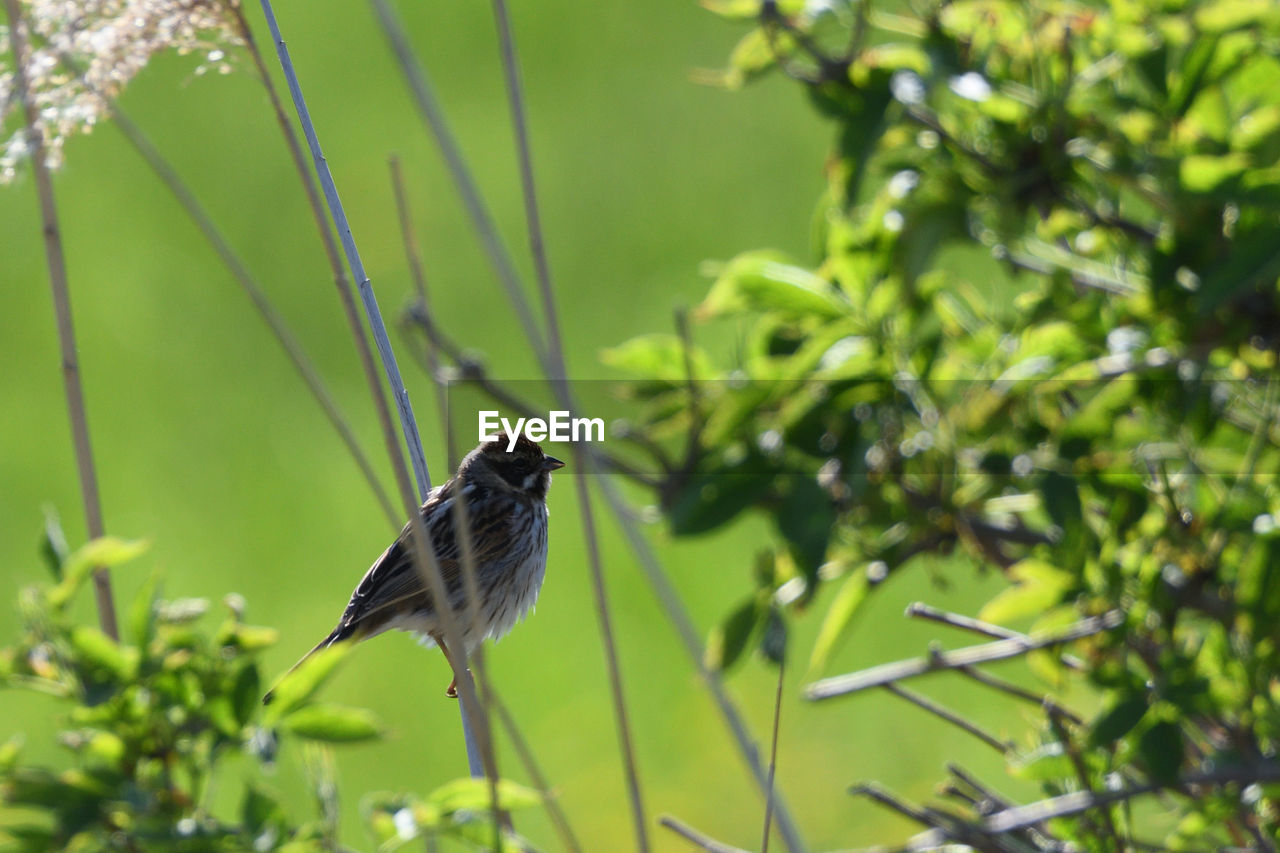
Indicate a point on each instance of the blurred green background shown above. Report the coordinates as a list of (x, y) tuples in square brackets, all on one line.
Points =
[(209, 445)]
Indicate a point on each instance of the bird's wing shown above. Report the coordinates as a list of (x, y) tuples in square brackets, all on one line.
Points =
[(393, 580)]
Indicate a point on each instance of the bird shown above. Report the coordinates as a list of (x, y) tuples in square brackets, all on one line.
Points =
[(503, 488)]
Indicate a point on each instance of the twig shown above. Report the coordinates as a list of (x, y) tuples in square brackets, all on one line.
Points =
[(773, 756), (425, 562), (557, 815), (879, 676), (56, 262), (1058, 722), (920, 610), (950, 716), (373, 314), (554, 365), (1021, 817), (679, 617), (698, 839), (298, 357), (1013, 690), (414, 256), (471, 369), (425, 100), (332, 256)]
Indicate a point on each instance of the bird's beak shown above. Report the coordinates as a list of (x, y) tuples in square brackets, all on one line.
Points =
[(551, 463)]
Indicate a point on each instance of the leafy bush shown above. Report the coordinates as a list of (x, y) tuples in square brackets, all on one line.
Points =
[(152, 722), (1041, 332)]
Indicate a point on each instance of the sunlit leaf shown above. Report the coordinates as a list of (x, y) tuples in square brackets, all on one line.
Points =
[(332, 723)]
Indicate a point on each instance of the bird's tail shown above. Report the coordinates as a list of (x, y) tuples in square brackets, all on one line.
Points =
[(338, 633)]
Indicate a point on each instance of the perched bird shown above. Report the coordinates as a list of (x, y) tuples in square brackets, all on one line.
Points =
[(505, 497)]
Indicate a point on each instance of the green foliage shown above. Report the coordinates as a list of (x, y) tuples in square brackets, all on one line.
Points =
[(1041, 331), (152, 723), (460, 810)]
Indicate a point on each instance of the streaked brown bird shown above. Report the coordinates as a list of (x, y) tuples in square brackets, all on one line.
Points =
[(505, 497)]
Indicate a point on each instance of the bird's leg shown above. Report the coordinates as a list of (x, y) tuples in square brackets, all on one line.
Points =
[(452, 690)]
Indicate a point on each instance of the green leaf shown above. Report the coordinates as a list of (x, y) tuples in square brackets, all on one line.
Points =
[(333, 723), (246, 693), (473, 795), (106, 553), (1118, 720), (302, 681), (731, 637), (1040, 586), (1225, 15), (658, 356), (765, 281), (53, 547), (142, 614), (259, 809), (98, 651), (773, 645), (1046, 763), (712, 498), (835, 625), (1162, 748), (1204, 173)]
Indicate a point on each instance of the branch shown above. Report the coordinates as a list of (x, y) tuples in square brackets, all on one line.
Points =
[(703, 842), (920, 610), (56, 262), (878, 676), (1021, 817), (950, 716), (425, 558)]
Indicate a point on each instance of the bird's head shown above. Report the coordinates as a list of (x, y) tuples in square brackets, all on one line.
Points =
[(524, 468)]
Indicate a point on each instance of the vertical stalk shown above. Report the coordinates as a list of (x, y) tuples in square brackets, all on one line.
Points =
[(478, 742), (56, 261)]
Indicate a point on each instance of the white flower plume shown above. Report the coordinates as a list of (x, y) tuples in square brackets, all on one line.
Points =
[(82, 51)]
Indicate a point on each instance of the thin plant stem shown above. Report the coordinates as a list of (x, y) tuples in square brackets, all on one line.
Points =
[(773, 756), (481, 220), (878, 676), (679, 617), (373, 314), (557, 815), (583, 458), (298, 357), (950, 716), (586, 453), (332, 256), (463, 522), (698, 839), (474, 726), (492, 700), (55, 259), (414, 257)]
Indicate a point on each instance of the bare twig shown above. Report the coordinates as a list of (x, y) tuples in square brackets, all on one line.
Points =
[(1058, 722), (773, 756), (554, 365), (479, 755), (56, 262), (950, 716), (1020, 817), (1013, 690), (332, 256), (557, 815), (879, 676), (698, 839), (920, 610), (298, 357), (425, 100), (414, 256), (692, 643)]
